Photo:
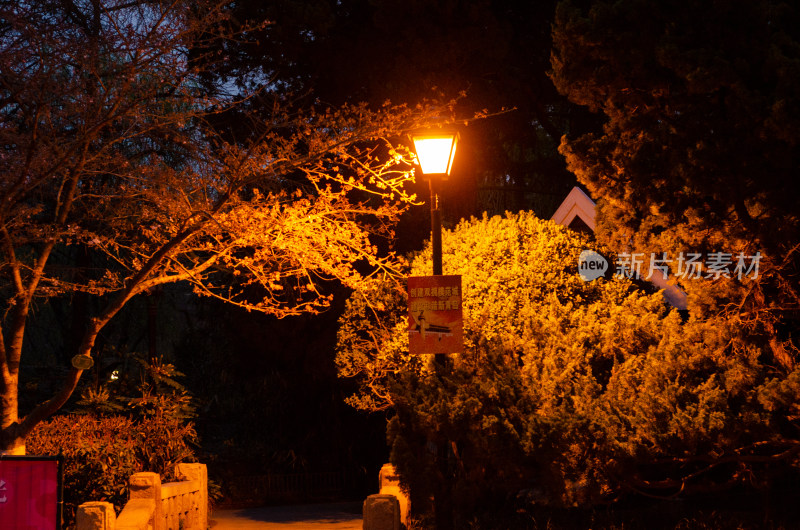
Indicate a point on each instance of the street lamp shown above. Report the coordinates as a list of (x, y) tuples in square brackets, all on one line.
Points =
[(435, 153)]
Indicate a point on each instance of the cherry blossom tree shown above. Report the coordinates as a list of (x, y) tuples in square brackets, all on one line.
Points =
[(108, 152)]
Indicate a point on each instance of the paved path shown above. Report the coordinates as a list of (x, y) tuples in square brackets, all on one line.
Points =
[(337, 516)]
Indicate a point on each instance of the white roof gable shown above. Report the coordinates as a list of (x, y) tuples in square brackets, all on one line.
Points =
[(577, 204)]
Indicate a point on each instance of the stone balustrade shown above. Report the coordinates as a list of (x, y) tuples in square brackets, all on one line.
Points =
[(151, 505)]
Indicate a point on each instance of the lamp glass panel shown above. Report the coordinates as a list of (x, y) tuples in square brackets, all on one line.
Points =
[(435, 155)]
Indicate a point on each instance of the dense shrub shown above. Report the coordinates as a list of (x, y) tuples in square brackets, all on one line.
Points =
[(101, 453), (569, 393)]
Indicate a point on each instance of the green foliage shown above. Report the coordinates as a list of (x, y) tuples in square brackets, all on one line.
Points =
[(101, 453), (372, 343), (574, 392), (135, 385)]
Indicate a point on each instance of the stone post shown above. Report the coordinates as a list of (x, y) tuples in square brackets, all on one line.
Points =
[(197, 472), (381, 512), (148, 486), (96, 516), (389, 483)]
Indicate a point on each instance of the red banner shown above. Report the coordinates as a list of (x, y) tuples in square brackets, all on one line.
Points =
[(30, 493), (435, 321)]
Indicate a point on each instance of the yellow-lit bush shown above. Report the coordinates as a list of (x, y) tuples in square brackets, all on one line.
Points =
[(569, 392)]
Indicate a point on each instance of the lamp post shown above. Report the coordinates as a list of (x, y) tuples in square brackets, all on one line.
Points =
[(435, 154)]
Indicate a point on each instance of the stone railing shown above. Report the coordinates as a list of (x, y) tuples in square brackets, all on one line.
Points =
[(154, 506)]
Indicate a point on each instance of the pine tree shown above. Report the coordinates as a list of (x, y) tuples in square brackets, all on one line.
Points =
[(699, 147)]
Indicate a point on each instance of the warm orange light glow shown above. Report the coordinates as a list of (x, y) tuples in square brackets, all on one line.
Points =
[(435, 153)]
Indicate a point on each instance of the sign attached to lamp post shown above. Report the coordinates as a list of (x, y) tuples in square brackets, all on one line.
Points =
[(435, 319)]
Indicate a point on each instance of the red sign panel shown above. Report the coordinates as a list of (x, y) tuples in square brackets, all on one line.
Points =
[(30, 493), (435, 322)]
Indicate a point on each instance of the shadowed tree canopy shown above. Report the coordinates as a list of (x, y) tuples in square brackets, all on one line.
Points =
[(701, 143), (112, 182)]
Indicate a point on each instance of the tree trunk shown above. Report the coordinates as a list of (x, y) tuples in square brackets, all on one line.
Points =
[(13, 447), (11, 443)]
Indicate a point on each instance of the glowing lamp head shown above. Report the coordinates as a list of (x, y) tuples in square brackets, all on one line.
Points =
[(435, 153)]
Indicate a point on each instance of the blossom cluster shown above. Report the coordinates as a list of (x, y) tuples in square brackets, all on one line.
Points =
[(689, 265)]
